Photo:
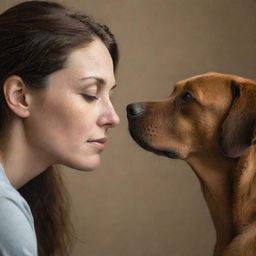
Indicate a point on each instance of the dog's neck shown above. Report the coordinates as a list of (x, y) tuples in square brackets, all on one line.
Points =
[(214, 173), (244, 189)]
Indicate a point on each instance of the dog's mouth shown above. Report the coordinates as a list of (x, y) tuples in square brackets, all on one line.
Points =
[(147, 146), (168, 153), (164, 152)]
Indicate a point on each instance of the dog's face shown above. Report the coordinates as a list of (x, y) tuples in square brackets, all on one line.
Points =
[(197, 117)]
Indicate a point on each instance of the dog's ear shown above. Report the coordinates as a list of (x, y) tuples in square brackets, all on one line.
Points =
[(238, 129)]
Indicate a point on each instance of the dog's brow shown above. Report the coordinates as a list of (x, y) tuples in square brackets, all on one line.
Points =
[(177, 86), (189, 86)]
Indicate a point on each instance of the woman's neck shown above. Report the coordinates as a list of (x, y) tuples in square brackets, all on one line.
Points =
[(20, 159)]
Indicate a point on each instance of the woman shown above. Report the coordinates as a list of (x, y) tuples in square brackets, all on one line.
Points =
[(57, 73)]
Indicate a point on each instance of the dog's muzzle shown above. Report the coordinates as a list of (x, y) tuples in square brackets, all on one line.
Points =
[(141, 133)]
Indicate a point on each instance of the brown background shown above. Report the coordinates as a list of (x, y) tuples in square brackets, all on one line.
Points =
[(137, 203)]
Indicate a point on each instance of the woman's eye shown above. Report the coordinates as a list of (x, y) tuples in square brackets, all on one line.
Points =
[(90, 97), (187, 97)]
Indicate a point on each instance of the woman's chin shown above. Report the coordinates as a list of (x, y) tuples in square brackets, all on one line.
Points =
[(88, 166), (85, 164)]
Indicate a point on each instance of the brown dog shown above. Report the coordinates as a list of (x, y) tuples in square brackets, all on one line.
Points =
[(209, 121)]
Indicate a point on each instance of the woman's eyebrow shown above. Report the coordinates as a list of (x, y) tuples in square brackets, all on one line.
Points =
[(100, 81)]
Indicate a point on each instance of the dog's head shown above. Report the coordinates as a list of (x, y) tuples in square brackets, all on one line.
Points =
[(209, 112)]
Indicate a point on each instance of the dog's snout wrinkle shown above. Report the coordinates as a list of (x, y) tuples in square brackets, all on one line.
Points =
[(135, 109)]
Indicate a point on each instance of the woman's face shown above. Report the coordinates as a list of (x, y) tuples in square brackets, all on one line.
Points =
[(69, 119)]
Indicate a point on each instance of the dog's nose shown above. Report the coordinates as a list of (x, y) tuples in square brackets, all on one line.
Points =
[(135, 109)]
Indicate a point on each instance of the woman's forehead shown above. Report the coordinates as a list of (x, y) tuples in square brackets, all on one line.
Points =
[(92, 60), (95, 53)]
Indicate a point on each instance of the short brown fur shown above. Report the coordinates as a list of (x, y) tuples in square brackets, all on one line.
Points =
[(209, 121)]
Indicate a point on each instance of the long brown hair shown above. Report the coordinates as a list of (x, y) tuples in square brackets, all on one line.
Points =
[(36, 38)]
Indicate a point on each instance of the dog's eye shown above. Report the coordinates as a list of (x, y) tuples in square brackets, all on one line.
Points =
[(186, 97)]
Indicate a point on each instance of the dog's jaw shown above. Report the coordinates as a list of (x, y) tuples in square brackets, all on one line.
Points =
[(138, 138)]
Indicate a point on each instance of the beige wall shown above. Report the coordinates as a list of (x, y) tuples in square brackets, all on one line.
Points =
[(137, 203)]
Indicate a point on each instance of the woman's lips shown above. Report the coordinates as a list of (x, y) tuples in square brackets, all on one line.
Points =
[(98, 143)]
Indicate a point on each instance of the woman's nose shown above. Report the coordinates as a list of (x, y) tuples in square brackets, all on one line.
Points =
[(109, 118), (115, 120)]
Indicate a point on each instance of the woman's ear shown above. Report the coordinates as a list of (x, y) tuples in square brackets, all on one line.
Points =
[(16, 96), (239, 127)]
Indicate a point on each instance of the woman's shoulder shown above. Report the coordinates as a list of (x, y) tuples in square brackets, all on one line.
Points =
[(7, 190), (9, 194), (16, 227), (11, 202)]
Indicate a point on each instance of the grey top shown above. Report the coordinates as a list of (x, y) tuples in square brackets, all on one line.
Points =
[(17, 231)]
